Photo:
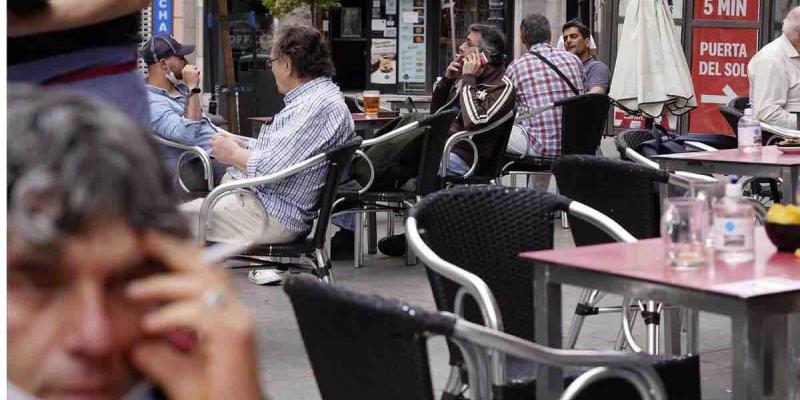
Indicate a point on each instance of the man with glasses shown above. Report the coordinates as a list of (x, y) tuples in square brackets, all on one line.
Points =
[(173, 86), (314, 120)]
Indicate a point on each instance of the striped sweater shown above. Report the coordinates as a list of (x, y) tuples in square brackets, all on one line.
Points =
[(481, 100)]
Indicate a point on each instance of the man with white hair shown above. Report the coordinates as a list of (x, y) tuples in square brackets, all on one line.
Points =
[(774, 74)]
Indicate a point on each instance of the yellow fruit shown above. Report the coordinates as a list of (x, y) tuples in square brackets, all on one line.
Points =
[(794, 211), (778, 214)]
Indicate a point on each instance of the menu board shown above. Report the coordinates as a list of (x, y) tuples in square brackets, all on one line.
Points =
[(412, 57)]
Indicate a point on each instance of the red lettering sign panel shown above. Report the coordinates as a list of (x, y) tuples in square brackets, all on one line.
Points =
[(738, 10), (719, 73)]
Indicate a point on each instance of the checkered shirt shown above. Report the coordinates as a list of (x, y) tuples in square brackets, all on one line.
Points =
[(315, 120), (538, 85)]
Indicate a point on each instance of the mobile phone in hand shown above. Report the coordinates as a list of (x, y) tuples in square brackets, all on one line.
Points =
[(482, 58)]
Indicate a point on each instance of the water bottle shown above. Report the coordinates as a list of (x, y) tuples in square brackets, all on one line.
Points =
[(734, 227), (749, 132)]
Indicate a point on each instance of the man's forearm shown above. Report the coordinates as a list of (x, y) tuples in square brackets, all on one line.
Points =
[(193, 110), (68, 14)]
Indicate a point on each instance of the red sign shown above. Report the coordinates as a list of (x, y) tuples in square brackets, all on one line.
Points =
[(737, 10), (719, 73)]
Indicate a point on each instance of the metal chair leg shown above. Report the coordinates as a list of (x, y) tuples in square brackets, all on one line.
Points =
[(577, 321), (564, 220), (620, 343), (390, 223), (651, 317), (358, 233), (324, 267), (372, 230), (454, 387)]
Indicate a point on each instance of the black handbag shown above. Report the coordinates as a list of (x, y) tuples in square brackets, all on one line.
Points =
[(396, 160)]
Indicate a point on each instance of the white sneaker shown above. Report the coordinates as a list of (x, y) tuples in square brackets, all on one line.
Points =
[(264, 276)]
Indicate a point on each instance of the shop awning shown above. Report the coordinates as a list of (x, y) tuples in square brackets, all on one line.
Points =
[(651, 70)]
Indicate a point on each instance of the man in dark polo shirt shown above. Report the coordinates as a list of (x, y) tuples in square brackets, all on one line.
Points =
[(88, 46), (576, 41)]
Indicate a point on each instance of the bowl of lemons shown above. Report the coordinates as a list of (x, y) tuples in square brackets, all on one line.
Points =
[(783, 227)]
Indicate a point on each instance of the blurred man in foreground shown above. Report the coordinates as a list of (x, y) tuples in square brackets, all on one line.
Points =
[(106, 297)]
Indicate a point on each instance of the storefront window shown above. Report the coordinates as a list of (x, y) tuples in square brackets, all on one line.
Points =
[(351, 22)]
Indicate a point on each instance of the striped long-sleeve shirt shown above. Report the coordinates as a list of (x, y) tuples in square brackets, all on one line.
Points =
[(481, 100), (315, 120), (538, 85)]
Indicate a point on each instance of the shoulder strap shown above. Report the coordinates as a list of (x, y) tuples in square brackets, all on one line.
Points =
[(558, 71)]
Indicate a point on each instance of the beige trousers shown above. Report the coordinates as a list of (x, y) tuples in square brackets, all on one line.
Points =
[(237, 218)]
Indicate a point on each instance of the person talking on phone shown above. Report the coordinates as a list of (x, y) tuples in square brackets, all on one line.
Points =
[(173, 93), (474, 82), (107, 297)]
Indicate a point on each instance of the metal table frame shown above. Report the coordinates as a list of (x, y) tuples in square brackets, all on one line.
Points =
[(789, 174), (761, 327)]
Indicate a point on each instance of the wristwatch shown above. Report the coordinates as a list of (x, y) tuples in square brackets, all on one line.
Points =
[(195, 90)]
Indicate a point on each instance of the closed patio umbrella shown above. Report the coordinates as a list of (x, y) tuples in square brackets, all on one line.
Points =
[(651, 70)]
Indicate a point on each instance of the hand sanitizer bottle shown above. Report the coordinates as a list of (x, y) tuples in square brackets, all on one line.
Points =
[(734, 227)]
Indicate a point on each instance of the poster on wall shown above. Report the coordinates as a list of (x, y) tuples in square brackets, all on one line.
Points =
[(412, 46), (383, 62), (719, 73)]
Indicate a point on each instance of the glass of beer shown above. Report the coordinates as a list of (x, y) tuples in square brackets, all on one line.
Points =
[(372, 103)]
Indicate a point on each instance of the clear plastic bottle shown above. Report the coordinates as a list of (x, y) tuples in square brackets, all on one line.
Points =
[(734, 227), (748, 131)]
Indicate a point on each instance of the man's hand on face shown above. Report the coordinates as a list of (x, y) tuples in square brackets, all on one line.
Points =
[(224, 149), (194, 300), (454, 69), (191, 76), (472, 64)]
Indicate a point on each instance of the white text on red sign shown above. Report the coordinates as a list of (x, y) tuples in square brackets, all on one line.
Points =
[(725, 8), (723, 50)]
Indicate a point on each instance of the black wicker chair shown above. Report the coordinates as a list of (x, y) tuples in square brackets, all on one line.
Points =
[(470, 239), (596, 182), (311, 251), (368, 201), (367, 347), (583, 121), (483, 170)]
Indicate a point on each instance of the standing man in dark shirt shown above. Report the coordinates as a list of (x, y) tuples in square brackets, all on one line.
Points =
[(576, 41), (86, 45)]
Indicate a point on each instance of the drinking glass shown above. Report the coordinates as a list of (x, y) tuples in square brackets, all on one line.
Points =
[(372, 103), (684, 228), (710, 193)]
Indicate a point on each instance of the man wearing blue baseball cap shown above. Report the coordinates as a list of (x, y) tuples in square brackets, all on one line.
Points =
[(174, 91)]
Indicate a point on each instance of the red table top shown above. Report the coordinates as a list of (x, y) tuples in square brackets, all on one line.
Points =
[(382, 117), (770, 273), (769, 155)]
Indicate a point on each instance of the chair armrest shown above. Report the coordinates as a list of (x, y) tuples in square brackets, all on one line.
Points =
[(679, 178), (470, 283), (780, 131), (467, 135), (230, 187), (368, 160), (637, 369), (601, 221), (197, 150), (700, 146), (537, 110)]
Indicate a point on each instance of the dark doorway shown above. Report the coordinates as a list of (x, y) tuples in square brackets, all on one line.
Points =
[(349, 43)]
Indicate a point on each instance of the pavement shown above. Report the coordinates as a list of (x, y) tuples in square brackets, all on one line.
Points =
[(286, 372)]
